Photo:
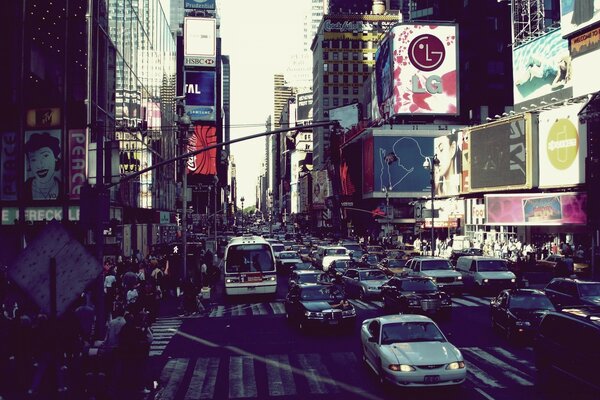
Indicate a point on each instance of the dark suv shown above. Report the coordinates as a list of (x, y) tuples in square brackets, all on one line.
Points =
[(568, 343), (566, 292)]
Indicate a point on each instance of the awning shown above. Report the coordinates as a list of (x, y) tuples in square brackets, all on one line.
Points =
[(591, 109)]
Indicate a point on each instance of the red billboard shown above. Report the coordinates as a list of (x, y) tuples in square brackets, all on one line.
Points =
[(204, 163), (368, 165)]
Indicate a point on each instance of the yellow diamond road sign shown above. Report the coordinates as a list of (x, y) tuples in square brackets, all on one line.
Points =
[(75, 268)]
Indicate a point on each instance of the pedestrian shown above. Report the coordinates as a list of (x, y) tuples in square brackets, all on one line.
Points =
[(135, 338)]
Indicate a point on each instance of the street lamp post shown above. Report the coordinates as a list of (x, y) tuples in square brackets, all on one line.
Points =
[(386, 190), (184, 125), (429, 164), (242, 200)]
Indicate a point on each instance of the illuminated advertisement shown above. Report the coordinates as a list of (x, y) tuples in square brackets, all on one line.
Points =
[(383, 71), (398, 164), (542, 67), (200, 95), (576, 15), (368, 164), (536, 209), (350, 170), (199, 4), (320, 188), (424, 70), (8, 166), (77, 158), (204, 163), (500, 155), (10, 214), (199, 41), (304, 101), (448, 172), (43, 165), (562, 147)]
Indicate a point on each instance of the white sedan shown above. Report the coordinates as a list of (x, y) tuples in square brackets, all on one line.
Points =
[(409, 351)]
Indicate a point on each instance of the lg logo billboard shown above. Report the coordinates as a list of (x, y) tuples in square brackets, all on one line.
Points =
[(427, 53)]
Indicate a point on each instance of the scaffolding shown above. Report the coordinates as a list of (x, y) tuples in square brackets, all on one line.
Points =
[(528, 20)]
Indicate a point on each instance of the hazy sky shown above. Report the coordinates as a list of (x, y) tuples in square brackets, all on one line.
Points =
[(259, 36)]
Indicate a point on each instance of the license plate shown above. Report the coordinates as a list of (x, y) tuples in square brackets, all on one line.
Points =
[(432, 378), (251, 288)]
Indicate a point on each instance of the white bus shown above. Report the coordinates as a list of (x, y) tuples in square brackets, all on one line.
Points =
[(249, 266)]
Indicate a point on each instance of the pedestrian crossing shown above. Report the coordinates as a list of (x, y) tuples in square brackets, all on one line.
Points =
[(315, 374), (163, 330)]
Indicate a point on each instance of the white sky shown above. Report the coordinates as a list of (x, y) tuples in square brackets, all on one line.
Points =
[(259, 36)]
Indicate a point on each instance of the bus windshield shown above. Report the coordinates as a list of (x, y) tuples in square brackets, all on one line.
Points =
[(249, 258)]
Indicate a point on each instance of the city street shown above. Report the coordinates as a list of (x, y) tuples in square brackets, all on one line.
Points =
[(247, 349)]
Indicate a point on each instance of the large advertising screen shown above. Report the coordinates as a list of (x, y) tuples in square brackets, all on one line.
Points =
[(576, 15), (562, 147), (424, 70), (304, 111), (8, 166), (398, 164), (77, 160), (199, 41), (536, 209), (43, 165), (200, 95), (383, 71), (542, 69), (500, 155), (448, 171), (204, 163), (199, 4), (350, 170)]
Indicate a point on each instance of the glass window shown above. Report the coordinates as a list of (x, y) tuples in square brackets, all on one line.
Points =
[(326, 101), (589, 289), (325, 89), (345, 78), (325, 55), (336, 102), (345, 55), (345, 90), (336, 56), (355, 90), (336, 90), (336, 67), (411, 332)]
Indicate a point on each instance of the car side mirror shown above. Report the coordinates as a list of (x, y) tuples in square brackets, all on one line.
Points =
[(373, 339)]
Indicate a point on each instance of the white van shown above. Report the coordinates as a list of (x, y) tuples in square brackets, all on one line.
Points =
[(485, 273)]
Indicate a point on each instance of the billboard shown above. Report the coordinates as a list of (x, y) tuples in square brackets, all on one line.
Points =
[(368, 164), (448, 172), (562, 147), (304, 111), (542, 69), (320, 188), (199, 41), (500, 155), (348, 115), (204, 163), (199, 4), (350, 170), (200, 95), (424, 70), (576, 15), (383, 71), (398, 164), (43, 165), (536, 209), (77, 159), (8, 166)]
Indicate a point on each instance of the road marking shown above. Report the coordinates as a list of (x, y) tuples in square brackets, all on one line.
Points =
[(514, 358), (507, 369), (217, 312), (480, 377), (478, 300), (484, 394), (163, 331), (281, 379), (315, 372), (465, 303), (204, 378), (173, 374), (361, 304), (278, 308), (238, 310), (242, 380)]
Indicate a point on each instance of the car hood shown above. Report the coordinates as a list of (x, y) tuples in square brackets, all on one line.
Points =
[(374, 282), (530, 315), (422, 295), (290, 261), (424, 353), (318, 305), (591, 299), (497, 275), (441, 273)]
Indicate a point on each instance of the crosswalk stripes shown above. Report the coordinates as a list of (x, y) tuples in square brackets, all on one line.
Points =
[(163, 330), (305, 374)]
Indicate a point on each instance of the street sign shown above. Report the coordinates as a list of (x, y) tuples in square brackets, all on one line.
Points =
[(75, 268)]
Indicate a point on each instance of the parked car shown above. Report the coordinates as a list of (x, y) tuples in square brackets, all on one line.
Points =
[(485, 274), (364, 283), (409, 351), (286, 260), (307, 276), (440, 270), (518, 312), (393, 266), (566, 351), (567, 292), (314, 304), (415, 295), (548, 263)]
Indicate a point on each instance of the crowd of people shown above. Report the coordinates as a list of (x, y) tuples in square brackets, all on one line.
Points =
[(99, 347)]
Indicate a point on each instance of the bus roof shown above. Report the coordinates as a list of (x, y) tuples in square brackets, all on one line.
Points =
[(247, 239)]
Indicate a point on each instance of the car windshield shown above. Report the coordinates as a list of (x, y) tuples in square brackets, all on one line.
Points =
[(333, 252), (396, 263), (419, 285), (372, 275), (372, 257), (304, 266), (287, 256), (536, 302), (431, 265), (308, 278), (492, 265), (589, 289), (278, 247), (317, 293), (341, 265), (411, 332)]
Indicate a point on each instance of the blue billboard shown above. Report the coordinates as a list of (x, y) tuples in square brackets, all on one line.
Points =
[(199, 4), (399, 165), (200, 95)]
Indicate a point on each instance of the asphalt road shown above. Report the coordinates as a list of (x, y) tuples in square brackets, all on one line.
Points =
[(245, 348)]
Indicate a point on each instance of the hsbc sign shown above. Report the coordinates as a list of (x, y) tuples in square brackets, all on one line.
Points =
[(198, 61)]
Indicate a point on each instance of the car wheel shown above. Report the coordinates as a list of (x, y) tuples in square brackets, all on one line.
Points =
[(381, 376)]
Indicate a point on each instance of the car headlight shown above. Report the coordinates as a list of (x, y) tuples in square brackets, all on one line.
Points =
[(456, 365), (459, 278), (270, 278), (313, 314), (232, 280), (401, 367), (486, 280), (349, 312), (523, 323), (413, 302), (513, 280)]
